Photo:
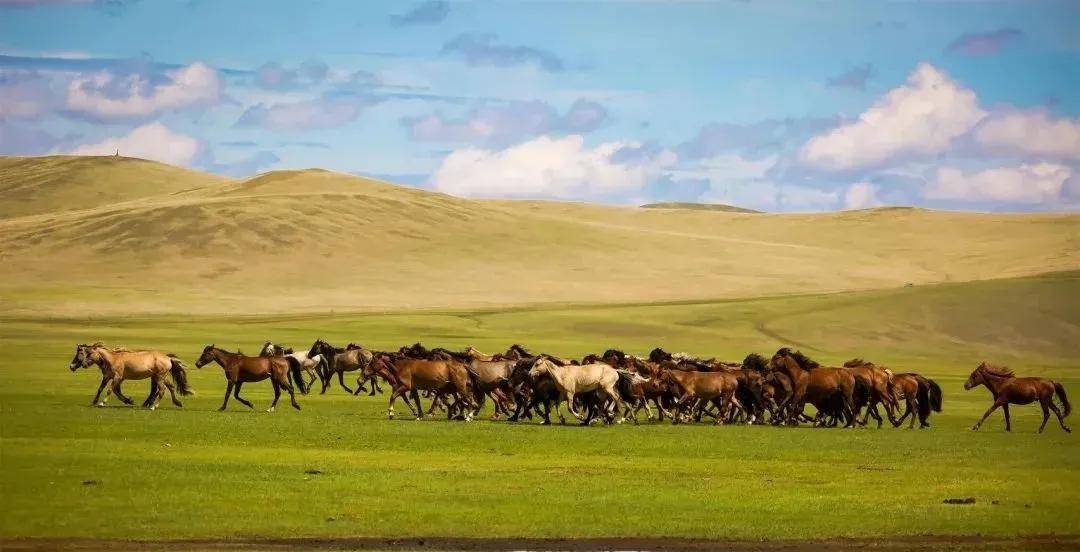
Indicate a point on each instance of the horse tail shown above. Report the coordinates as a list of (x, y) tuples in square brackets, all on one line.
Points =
[(296, 371), (935, 395), (1061, 397), (179, 375), (922, 393), (625, 386)]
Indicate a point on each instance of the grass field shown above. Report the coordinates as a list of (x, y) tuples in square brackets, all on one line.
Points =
[(73, 470)]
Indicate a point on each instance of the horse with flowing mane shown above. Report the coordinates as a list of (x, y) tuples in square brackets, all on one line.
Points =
[(315, 366), (1008, 389), (121, 364), (828, 389)]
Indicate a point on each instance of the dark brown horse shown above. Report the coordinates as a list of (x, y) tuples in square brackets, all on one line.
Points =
[(1008, 389), (241, 369), (921, 395), (828, 389), (875, 381)]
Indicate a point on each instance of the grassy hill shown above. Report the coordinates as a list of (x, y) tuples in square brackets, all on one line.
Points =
[(698, 207), (172, 240)]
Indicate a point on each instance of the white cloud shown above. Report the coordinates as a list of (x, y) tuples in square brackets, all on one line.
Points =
[(920, 118), (1030, 133), (151, 141), (107, 95), (1035, 183), (549, 167), (861, 195)]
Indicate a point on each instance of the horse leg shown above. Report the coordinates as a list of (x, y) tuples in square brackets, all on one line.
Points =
[(236, 395), (228, 391), (284, 384), (101, 387), (997, 404), (277, 394), (393, 396), (1008, 420), (341, 381), (326, 381), (172, 393), (568, 396), (1046, 413), (1061, 419), (914, 411), (124, 398), (419, 407), (158, 383)]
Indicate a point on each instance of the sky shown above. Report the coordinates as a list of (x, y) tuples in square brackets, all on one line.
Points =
[(779, 106)]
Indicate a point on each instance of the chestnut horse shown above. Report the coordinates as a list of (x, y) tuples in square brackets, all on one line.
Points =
[(120, 364), (920, 395), (876, 381), (1008, 389), (694, 389), (824, 387), (241, 369), (410, 375)]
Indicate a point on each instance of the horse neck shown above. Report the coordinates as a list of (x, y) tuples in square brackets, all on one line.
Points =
[(223, 357), (792, 369), (105, 357), (994, 382)]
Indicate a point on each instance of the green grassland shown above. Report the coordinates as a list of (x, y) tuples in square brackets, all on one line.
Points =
[(194, 472)]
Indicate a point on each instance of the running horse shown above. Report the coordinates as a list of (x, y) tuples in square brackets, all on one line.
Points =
[(339, 361), (573, 380), (241, 369), (315, 366), (828, 389), (122, 364), (408, 376), (1008, 389)]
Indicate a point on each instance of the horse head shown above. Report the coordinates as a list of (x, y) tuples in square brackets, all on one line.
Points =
[(206, 357), (82, 358)]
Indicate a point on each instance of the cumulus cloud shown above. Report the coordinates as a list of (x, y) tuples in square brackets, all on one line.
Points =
[(25, 94), (108, 95), (861, 195), (480, 49), (547, 167), (325, 112), (1029, 133), (505, 124), (855, 77), (427, 13), (151, 141), (920, 118), (1027, 183), (984, 44)]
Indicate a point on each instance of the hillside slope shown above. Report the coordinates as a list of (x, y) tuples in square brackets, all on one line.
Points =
[(38, 185), (316, 240)]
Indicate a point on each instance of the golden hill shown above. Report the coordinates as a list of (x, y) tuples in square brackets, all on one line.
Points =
[(313, 240)]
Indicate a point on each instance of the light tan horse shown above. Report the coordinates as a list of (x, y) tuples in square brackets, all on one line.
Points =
[(118, 365), (573, 379)]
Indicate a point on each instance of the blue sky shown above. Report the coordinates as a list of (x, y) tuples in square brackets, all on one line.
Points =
[(782, 106)]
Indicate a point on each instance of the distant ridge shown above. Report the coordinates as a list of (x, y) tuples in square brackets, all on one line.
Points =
[(699, 207)]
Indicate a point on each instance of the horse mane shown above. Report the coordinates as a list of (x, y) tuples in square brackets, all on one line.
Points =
[(802, 360), (857, 362), (755, 362), (658, 355), (999, 371)]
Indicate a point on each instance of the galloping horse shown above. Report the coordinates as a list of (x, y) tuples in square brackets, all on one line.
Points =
[(876, 381), (315, 366), (118, 365), (241, 369), (410, 375), (574, 379), (491, 377), (815, 384), (339, 361), (694, 389), (1009, 389), (920, 396)]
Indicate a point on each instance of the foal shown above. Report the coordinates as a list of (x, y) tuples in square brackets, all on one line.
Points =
[(240, 369), (1007, 388)]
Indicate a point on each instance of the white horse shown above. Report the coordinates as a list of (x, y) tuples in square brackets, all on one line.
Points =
[(315, 366), (573, 379)]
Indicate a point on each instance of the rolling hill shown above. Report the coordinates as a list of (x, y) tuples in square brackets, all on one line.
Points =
[(105, 235)]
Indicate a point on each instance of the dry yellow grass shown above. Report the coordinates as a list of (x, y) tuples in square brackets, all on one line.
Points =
[(83, 236)]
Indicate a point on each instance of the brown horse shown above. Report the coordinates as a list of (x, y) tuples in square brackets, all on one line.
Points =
[(241, 369), (121, 364), (339, 361), (695, 389), (410, 375), (920, 395), (824, 387), (1008, 389), (876, 381)]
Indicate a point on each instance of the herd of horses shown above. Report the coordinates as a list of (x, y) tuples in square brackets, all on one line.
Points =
[(609, 387)]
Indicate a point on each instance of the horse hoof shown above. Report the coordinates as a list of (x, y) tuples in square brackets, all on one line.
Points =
[(152, 408), (100, 404), (271, 409), (418, 418)]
